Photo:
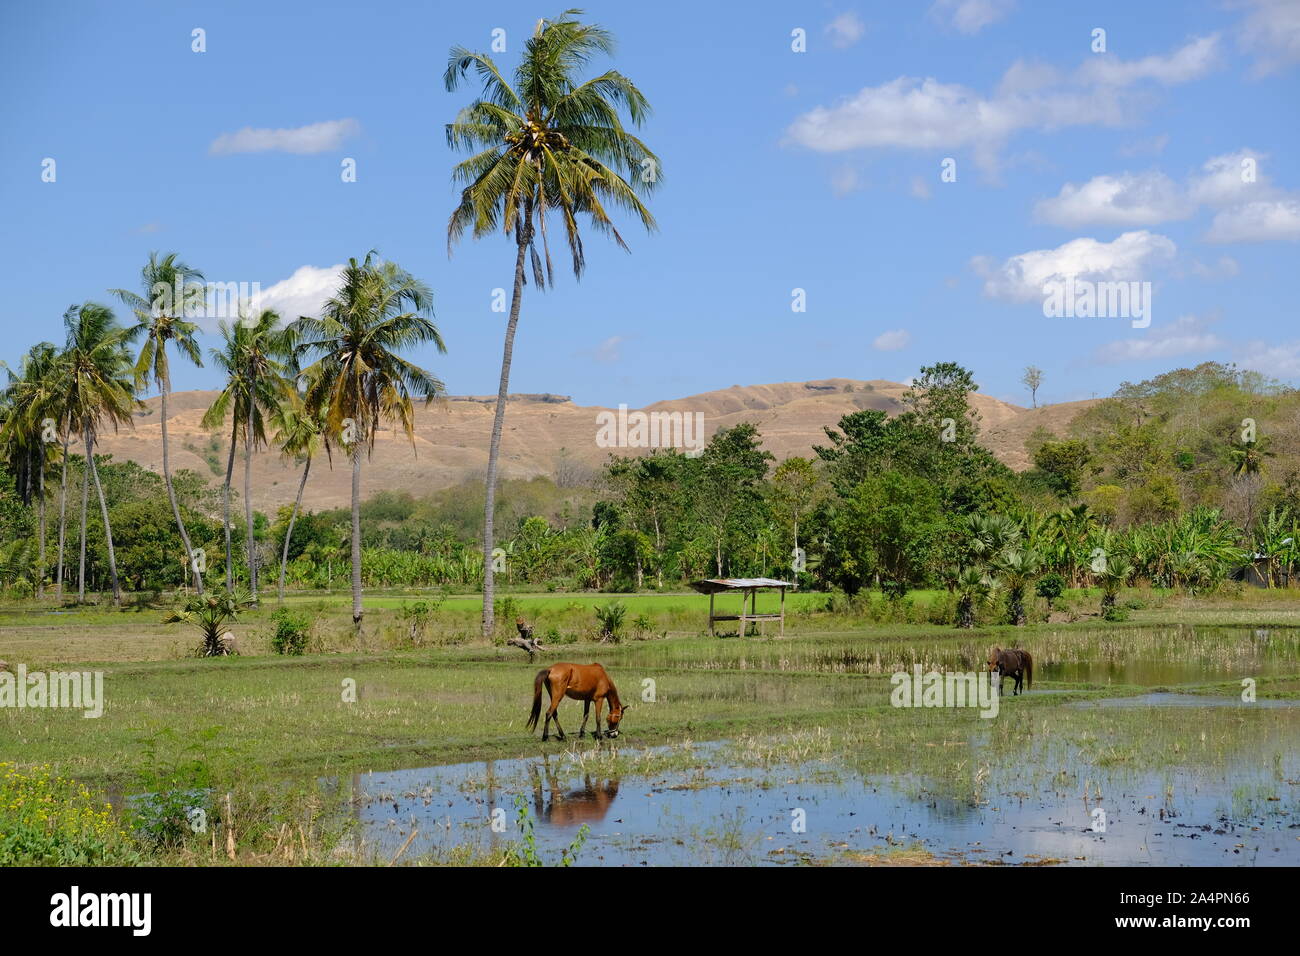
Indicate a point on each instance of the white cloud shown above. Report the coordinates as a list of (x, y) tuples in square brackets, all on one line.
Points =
[(915, 113), (1279, 360), (970, 16), (314, 138), (1257, 222), (920, 188), (303, 293), (1187, 335), (1232, 178), (1131, 257), (1129, 199), (1250, 208), (846, 30), (1027, 76), (892, 341), (1187, 63), (1271, 31)]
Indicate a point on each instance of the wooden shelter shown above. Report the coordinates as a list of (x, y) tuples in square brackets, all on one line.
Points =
[(748, 588)]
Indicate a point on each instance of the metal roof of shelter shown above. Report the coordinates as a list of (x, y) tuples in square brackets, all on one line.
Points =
[(718, 585)]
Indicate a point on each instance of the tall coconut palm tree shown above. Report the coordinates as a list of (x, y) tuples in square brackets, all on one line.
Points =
[(29, 400), (358, 379), (171, 291), (299, 433), (253, 354), (550, 142), (98, 387)]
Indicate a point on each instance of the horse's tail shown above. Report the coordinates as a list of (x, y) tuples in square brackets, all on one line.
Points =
[(1029, 668), (537, 698)]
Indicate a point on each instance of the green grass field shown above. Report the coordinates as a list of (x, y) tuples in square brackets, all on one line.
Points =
[(448, 696)]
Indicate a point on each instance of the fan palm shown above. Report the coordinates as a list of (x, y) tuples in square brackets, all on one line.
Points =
[(358, 379), (548, 143), (972, 586), (98, 388), (160, 317), (1017, 568), (1114, 575), (212, 614)]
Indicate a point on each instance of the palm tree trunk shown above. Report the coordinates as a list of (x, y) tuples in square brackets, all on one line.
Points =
[(356, 534), (164, 388), (293, 516), (494, 449), (85, 502), (108, 528), (40, 482), (230, 470), (248, 488), (63, 518)]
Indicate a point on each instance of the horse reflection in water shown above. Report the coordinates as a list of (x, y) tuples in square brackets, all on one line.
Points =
[(566, 808)]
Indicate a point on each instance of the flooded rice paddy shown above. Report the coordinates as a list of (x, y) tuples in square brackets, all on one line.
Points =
[(1161, 763)]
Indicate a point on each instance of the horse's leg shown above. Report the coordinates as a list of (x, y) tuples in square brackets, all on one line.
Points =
[(550, 711), (586, 710), (600, 702), (557, 695)]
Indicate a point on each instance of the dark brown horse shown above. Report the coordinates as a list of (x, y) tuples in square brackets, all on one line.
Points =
[(584, 682), (1012, 663)]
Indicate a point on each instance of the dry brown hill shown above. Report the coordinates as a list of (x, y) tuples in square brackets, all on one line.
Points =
[(451, 437)]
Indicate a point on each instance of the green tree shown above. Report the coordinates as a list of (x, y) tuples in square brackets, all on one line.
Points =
[(1063, 464), (797, 491), (887, 530), (161, 319), (254, 356), (94, 378), (299, 434), (725, 484), (359, 379), (549, 142), (29, 401)]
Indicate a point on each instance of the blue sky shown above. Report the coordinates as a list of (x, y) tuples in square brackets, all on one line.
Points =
[(817, 170)]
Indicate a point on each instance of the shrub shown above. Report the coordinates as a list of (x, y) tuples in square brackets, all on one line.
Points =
[(417, 617), (554, 635), (291, 632), (1050, 587), (176, 795), (504, 612), (46, 820), (610, 618)]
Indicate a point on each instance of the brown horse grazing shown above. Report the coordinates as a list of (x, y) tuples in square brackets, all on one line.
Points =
[(1012, 663), (584, 682)]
